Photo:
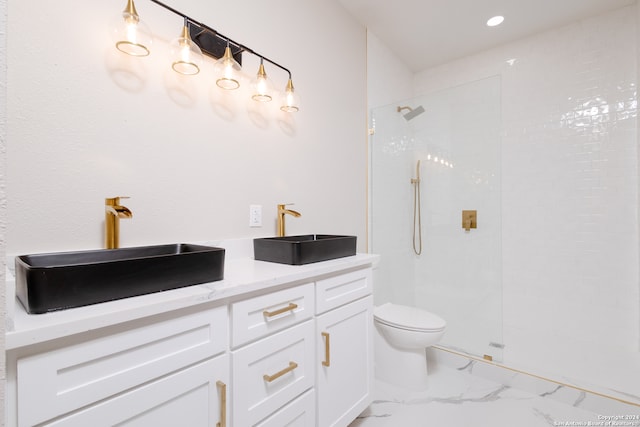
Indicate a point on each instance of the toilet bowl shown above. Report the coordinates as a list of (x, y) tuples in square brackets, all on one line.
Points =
[(402, 334)]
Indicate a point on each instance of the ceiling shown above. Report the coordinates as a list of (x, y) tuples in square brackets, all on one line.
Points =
[(424, 33)]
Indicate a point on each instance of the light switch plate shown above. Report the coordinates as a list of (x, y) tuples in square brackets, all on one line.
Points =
[(255, 215)]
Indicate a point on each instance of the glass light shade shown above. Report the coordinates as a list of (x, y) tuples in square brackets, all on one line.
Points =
[(290, 99), (261, 86), (131, 35), (186, 55), (227, 70)]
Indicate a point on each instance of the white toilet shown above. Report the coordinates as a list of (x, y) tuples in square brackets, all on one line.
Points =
[(402, 335)]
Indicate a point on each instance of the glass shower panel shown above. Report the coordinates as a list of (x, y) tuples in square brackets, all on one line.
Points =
[(458, 274)]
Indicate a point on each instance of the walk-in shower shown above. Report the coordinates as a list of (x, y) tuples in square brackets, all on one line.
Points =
[(425, 170), (547, 280)]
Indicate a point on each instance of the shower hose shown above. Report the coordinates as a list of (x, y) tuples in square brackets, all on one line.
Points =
[(417, 217)]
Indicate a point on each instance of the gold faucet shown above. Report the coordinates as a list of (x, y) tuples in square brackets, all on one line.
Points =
[(282, 211), (113, 211)]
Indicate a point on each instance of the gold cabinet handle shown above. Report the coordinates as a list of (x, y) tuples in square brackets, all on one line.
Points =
[(290, 307), (291, 367), (327, 349), (223, 404)]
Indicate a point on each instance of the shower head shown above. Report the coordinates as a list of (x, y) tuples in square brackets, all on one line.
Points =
[(412, 112)]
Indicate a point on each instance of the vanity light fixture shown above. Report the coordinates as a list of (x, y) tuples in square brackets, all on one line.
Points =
[(186, 55), (495, 21), (131, 35), (262, 86), (196, 39), (227, 70)]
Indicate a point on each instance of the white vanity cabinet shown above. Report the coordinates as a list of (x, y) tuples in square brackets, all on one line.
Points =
[(292, 347), (151, 370), (344, 334)]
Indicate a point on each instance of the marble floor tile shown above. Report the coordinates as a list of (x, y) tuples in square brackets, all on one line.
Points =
[(457, 398)]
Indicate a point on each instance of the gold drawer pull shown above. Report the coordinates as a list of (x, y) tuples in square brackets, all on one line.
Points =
[(291, 367), (223, 404), (327, 349), (290, 307)]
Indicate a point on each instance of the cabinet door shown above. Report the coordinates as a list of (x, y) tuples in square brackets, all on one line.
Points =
[(190, 397), (344, 362)]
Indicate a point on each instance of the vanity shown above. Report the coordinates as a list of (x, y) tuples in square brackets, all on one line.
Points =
[(269, 345)]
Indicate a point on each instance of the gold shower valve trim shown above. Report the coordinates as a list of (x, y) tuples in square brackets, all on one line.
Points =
[(469, 219)]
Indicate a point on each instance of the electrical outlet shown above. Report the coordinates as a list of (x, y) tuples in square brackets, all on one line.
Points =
[(255, 215)]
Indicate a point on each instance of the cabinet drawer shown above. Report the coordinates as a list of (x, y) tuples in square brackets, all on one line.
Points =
[(271, 372), (257, 317), (339, 290), (62, 380), (299, 413), (190, 397)]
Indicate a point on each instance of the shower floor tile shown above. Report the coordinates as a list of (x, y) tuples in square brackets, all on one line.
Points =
[(459, 399)]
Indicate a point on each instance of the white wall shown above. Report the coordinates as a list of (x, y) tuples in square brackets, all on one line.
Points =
[(388, 78), (3, 202), (638, 154), (569, 200), (86, 122)]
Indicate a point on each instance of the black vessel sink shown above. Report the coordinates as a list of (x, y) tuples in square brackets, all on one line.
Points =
[(57, 281), (298, 250)]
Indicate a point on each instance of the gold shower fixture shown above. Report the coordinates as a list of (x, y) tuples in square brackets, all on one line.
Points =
[(469, 219), (417, 215)]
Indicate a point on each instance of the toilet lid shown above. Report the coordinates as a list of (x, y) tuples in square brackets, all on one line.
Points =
[(405, 317)]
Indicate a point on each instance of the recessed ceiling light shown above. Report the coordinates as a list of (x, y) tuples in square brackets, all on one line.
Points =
[(496, 20)]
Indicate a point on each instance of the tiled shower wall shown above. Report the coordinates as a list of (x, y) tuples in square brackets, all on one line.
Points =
[(569, 202)]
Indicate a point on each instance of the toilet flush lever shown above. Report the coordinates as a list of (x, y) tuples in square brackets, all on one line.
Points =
[(469, 219)]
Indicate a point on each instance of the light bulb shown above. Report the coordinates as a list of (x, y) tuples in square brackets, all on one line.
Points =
[(130, 34), (290, 99), (227, 70), (262, 87), (186, 55)]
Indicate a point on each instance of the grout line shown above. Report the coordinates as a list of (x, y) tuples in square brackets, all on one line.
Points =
[(479, 359)]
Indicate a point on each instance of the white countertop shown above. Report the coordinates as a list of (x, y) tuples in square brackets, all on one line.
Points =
[(242, 275)]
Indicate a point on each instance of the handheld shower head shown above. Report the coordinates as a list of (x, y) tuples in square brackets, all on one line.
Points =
[(412, 112)]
